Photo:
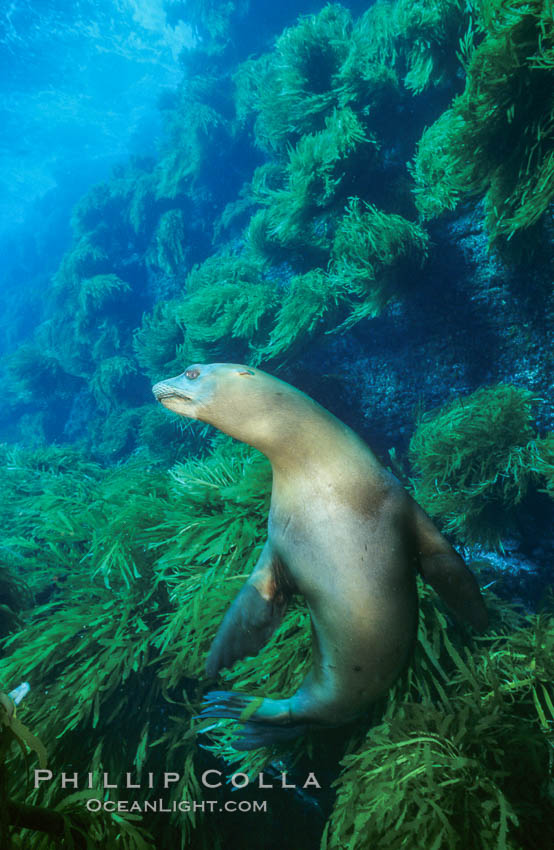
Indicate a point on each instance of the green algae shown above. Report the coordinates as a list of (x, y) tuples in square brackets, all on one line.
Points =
[(496, 139), (470, 765), (475, 459), (149, 562)]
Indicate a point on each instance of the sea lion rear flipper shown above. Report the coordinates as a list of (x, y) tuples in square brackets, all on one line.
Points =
[(446, 572), (273, 727), (252, 617)]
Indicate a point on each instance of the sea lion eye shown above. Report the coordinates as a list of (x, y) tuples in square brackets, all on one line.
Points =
[(191, 374), (246, 372)]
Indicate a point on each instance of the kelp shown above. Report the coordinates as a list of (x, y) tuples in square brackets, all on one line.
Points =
[(34, 373), (323, 101), (225, 320), (496, 139), (44, 827), (131, 570), (96, 295), (158, 343), (318, 176), (226, 310), (168, 248), (146, 565), (113, 662), (471, 766), (15, 597), (543, 462), (475, 459), (373, 254), (86, 259), (110, 380), (292, 90), (308, 307), (329, 61)]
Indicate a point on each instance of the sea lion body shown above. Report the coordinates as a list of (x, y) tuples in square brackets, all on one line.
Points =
[(341, 541), (342, 532)]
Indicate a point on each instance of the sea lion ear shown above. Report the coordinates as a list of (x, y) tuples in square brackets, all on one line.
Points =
[(246, 372)]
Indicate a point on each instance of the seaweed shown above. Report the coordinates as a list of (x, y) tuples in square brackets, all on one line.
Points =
[(292, 90), (475, 459), (496, 139), (85, 259), (145, 565), (97, 294), (158, 343), (168, 247), (543, 461), (35, 373), (319, 175), (472, 765), (373, 252), (307, 309), (225, 310), (328, 61), (226, 319), (113, 661)]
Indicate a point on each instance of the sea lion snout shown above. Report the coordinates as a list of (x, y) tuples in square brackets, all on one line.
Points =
[(167, 389), (189, 393), (179, 386)]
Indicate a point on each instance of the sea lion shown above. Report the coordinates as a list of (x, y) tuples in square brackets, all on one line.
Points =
[(342, 532)]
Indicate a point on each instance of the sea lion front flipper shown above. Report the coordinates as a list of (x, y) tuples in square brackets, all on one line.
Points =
[(252, 617), (446, 572)]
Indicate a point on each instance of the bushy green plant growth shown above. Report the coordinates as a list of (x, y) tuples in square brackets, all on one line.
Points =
[(543, 462), (308, 307), (475, 459), (415, 41), (471, 765), (112, 645), (142, 206), (319, 174), (145, 565), (159, 341), (68, 823), (36, 373), (168, 247), (164, 437), (97, 293), (497, 138), (224, 314), (110, 380), (114, 434), (373, 255), (185, 153), (328, 61), (14, 598), (86, 259), (225, 320), (293, 89), (323, 101)]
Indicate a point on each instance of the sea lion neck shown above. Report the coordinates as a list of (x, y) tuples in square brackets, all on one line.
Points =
[(304, 440)]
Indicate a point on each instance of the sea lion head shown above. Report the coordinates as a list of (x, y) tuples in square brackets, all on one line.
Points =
[(239, 400)]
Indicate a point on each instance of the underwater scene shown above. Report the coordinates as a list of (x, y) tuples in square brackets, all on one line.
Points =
[(276, 438)]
